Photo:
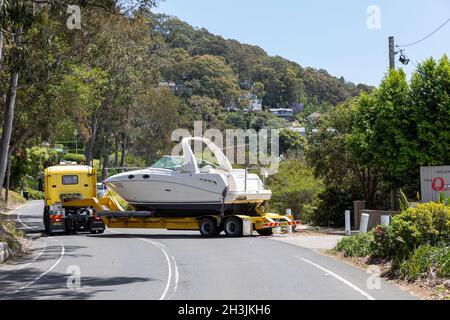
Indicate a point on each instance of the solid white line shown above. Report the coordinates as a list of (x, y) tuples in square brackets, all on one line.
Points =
[(63, 250), (27, 264), (169, 264), (177, 275), (169, 277), (25, 225), (348, 283)]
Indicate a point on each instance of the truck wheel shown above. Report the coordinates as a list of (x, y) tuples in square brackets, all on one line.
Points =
[(265, 232), (46, 219), (233, 227), (209, 228)]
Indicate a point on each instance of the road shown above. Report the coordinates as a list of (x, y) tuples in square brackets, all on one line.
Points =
[(158, 264)]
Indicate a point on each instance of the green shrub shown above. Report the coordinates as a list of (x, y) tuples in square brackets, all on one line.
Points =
[(355, 246), (425, 261), (428, 223), (35, 194), (381, 245), (79, 158)]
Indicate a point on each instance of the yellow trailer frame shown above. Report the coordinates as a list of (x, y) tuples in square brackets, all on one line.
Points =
[(109, 210)]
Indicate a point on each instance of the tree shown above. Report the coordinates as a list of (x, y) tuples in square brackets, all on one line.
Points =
[(156, 116), (292, 141), (430, 114), (82, 91), (338, 155), (384, 133), (16, 20), (295, 187)]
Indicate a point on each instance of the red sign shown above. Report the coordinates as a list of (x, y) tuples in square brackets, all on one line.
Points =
[(438, 185)]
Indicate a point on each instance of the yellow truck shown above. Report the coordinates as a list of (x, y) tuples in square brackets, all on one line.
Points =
[(64, 185)]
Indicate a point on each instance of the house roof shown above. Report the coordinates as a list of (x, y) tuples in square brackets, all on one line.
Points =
[(314, 116)]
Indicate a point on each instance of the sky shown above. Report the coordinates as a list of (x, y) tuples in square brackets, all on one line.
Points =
[(326, 34)]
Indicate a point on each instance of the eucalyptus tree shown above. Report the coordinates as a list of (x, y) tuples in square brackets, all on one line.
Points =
[(17, 18)]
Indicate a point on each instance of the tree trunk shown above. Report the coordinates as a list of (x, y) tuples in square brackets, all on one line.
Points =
[(9, 115), (8, 180), (122, 158), (116, 153), (8, 124), (89, 153), (1, 48), (105, 159)]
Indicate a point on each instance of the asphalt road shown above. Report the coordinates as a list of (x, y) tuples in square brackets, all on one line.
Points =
[(158, 264)]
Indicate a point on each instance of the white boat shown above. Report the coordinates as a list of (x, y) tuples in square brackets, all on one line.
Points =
[(188, 186)]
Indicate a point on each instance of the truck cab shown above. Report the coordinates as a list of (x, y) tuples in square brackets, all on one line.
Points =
[(64, 184)]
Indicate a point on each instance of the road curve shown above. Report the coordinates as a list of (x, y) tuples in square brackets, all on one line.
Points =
[(158, 264)]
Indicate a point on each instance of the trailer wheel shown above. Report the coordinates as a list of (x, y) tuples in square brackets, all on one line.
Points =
[(233, 227), (265, 232), (209, 228)]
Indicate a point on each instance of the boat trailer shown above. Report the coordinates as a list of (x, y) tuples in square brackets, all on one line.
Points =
[(115, 217)]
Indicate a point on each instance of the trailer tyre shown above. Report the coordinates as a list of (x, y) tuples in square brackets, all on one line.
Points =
[(265, 232), (233, 227), (209, 228)]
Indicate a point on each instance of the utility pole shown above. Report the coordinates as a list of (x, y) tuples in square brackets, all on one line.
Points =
[(391, 53)]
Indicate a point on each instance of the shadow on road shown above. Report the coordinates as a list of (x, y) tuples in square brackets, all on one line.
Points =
[(162, 236), (55, 285)]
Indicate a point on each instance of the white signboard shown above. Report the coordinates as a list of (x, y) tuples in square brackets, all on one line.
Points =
[(434, 181)]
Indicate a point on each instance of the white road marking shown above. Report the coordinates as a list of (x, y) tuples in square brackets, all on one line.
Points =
[(25, 225), (348, 283), (170, 260), (27, 264), (177, 275), (169, 264), (63, 250)]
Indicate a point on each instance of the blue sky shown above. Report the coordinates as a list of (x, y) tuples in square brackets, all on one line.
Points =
[(327, 34)]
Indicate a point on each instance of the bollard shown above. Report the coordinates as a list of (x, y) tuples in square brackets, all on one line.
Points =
[(385, 220), (288, 229), (364, 223), (348, 225)]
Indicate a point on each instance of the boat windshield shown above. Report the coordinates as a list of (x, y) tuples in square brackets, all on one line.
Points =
[(170, 163)]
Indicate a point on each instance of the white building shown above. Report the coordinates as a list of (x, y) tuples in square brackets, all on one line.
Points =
[(283, 113), (252, 102)]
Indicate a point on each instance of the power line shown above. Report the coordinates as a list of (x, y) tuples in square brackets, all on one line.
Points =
[(414, 43)]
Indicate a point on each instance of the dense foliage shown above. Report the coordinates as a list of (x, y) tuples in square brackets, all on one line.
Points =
[(417, 242), (295, 187), (101, 85)]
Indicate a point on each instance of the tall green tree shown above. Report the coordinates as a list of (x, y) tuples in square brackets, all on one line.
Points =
[(430, 114)]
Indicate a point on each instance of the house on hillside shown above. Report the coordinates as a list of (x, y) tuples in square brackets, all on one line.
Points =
[(314, 117), (251, 102), (287, 114), (175, 88), (296, 127)]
